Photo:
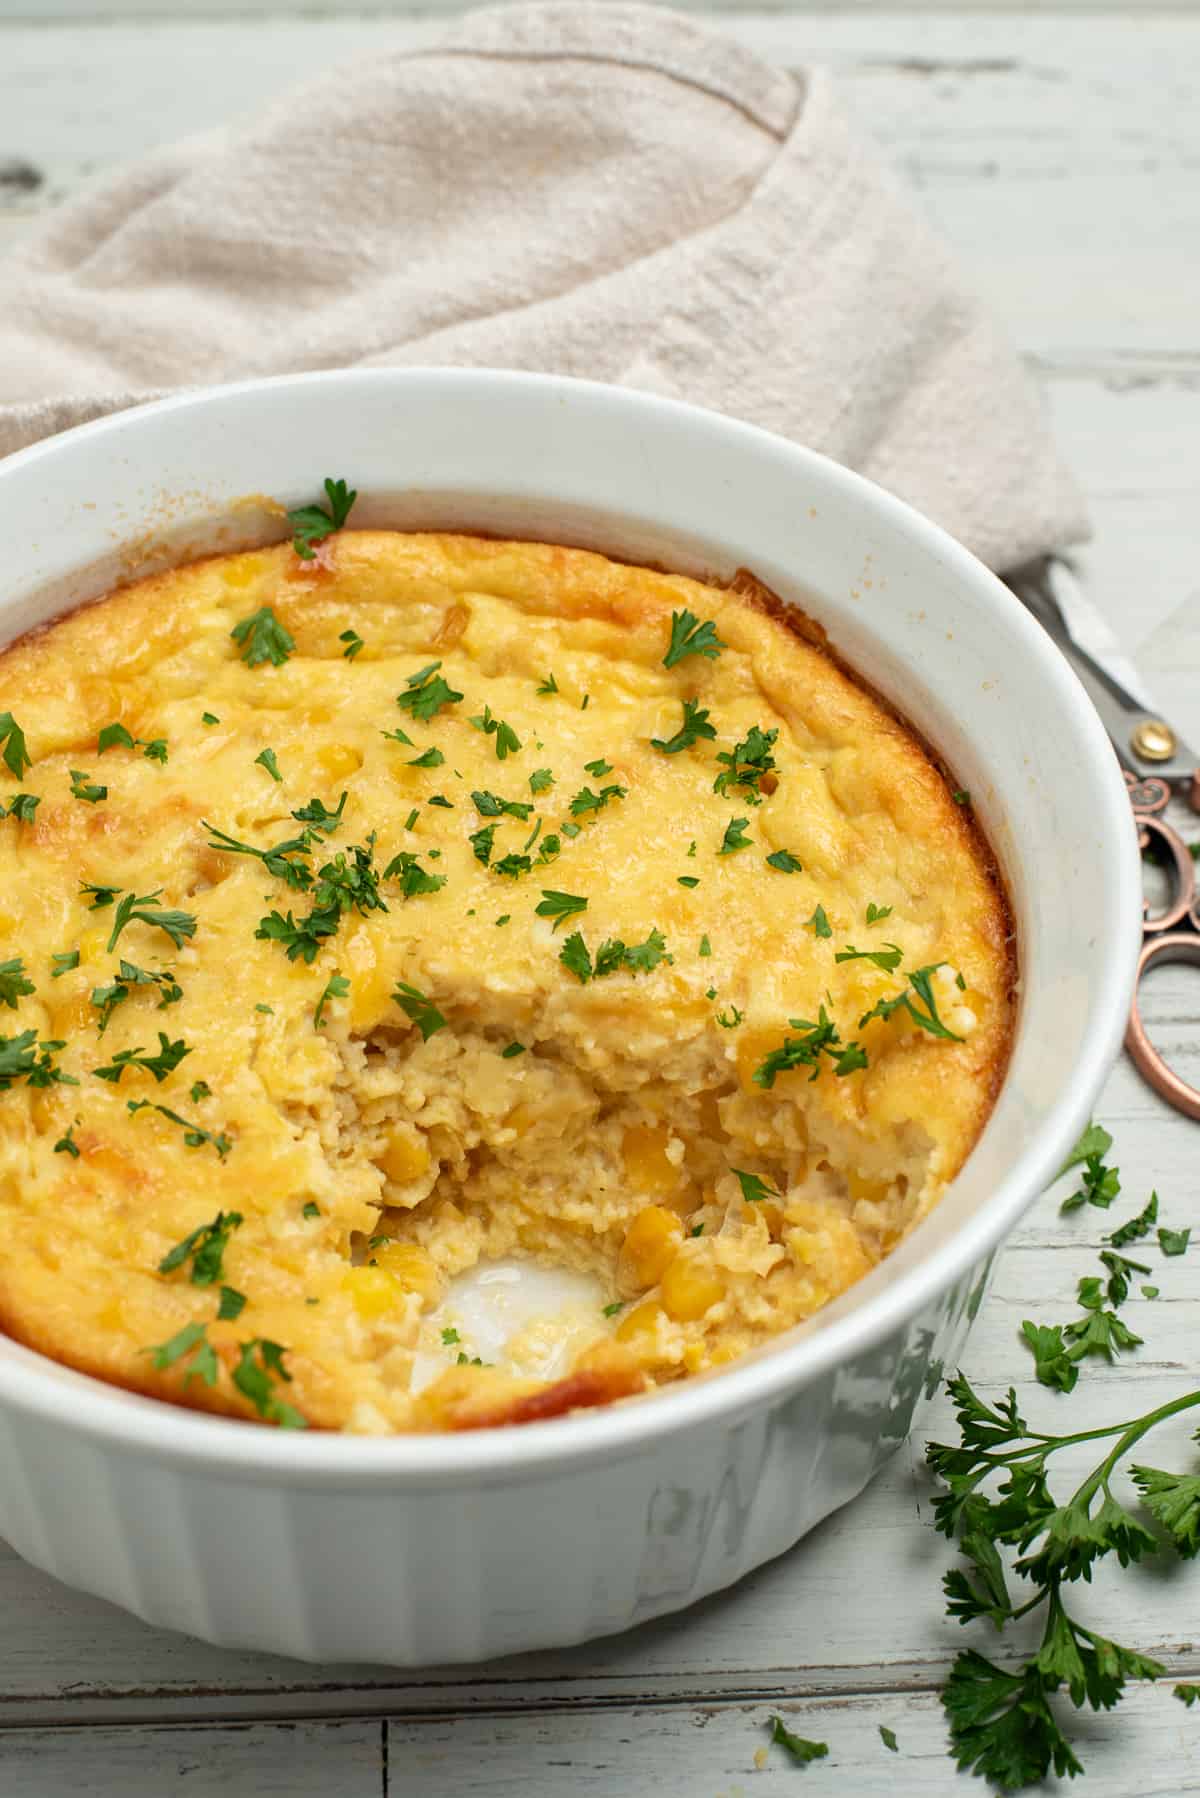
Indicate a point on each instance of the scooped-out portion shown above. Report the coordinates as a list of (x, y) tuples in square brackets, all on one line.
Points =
[(383, 909)]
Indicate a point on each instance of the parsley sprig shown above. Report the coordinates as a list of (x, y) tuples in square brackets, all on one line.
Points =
[(640, 958), (696, 726), (426, 693), (16, 754), (689, 637), (312, 524), (204, 1248), (262, 638), (818, 1039), (747, 764)]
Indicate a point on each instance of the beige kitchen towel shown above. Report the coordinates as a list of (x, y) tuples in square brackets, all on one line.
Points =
[(609, 191)]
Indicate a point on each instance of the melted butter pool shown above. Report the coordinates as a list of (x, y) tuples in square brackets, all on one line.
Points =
[(521, 1318)]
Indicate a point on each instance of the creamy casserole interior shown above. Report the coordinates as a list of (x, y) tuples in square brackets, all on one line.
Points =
[(438, 899)]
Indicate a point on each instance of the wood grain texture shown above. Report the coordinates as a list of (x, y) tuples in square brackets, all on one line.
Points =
[(1059, 155)]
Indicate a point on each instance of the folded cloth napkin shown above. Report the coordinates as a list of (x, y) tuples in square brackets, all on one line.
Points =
[(610, 191)]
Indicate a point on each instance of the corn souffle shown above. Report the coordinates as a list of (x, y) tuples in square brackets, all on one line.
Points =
[(377, 907)]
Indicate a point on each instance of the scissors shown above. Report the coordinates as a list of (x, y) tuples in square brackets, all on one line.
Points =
[(1158, 766)]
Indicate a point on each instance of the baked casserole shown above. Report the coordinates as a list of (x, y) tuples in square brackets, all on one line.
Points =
[(380, 906)]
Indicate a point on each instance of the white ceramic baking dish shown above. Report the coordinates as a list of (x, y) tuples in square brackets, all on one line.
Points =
[(434, 1549)]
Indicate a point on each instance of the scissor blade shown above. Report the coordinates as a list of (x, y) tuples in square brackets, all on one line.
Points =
[(1121, 714)]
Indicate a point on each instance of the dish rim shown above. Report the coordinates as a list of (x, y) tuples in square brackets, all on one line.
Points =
[(35, 1384)]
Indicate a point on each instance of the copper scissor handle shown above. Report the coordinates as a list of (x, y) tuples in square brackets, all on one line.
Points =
[(1164, 939)]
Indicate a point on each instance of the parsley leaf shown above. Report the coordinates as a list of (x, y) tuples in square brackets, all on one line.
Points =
[(13, 984), (429, 758), (1094, 1141), (204, 1248), (267, 760), (888, 958), (918, 1001), (426, 693), (422, 1011), (85, 789), (695, 726), (66, 1144), (22, 806), (169, 1056), (801, 1750), (785, 861), (481, 842), (691, 638), (63, 962), (191, 1341), (1099, 1186), (754, 1188), (16, 753), (806, 1050), (548, 685), (489, 806), (586, 801), (735, 837), (559, 906), (820, 923), (877, 913), (541, 780), (139, 908), (232, 1304), (354, 644), (263, 639), (312, 524), (255, 1376), (406, 867), (23, 1057), (747, 764), (1173, 1242), (336, 987), (888, 1738), (576, 957), (507, 740), (193, 1135)]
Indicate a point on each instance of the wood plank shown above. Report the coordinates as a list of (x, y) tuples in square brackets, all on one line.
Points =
[(302, 1760), (1150, 1749)]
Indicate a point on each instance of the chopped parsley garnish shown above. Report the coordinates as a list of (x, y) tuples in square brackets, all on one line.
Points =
[(1136, 1227), (586, 801), (806, 1050), (754, 1188), (310, 1208), (398, 736), (689, 637), (209, 718), (406, 868), (732, 1020), (507, 740), (82, 787), (559, 906), (23, 1057), (785, 861), (888, 1738), (695, 726), (13, 984), (139, 908), (612, 1310), (877, 913), (513, 866), (349, 882), (317, 813), (1172, 1242), (506, 918), (169, 1056), (641, 958), (113, 735), (100, 896), (735, 837), (312, 524), (263, 639), (705, 946), (261, 1365), (548, 685), (541, 780), (429, 758), (204, 1248), (820, 923), (193, 1135), (16, 754), (200, 1090), (489, 806), (687, 880), (66, 1144), (961, 797), (268, 1009), (267, 760), (426, 693), (422, 1011), (583, 703), (888, 958), (570, 830), (191, 1341), (411, 820), (481, 842), (278, 859), (107, 998), (232, 1304), (512, 1051), (21, 806), (801, 1750), (336, 987), (747, 763), (449, 1338), (63, 962), (918, 1001), (354, 644)]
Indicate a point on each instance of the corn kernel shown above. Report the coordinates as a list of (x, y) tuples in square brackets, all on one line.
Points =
[(871, 1190), (404, 1157), (410, 1266), (650, 1243), (373, 1291), (339, 759), (639, 1324), (644, 1152), (689, 1288)]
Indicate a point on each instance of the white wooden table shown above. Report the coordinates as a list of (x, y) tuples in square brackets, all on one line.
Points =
[(1060, 153)]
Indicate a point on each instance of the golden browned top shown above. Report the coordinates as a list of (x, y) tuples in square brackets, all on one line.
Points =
[(557, 705)]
